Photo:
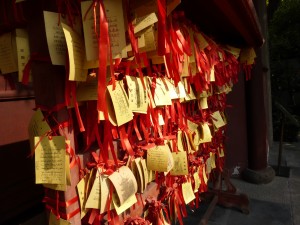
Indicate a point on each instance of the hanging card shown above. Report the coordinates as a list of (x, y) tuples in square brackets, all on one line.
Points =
[(8, 54), (197, 181), (185, 67), (144, 22), (217, 120), (23, 51), (93, 200), (212, 74), (81, 189), (205, 133), (50, 160), (55, 38), (104, 195), (138, 173), (118, 105), (179, 141), (116, 28), (188, 192), (204, 175), (141, 44), (159, 158), (221, 152), (126, 205), (175, 92), (192, 126), (145, 172), (122, 180), (62, 187), (150, 43), (208, 165), (138, 99), (212, 160), (201, 41), (233, 50), (54, 221), (203, 103), (37, 127), (161, 95), (247, 56), (76, 52), (180, 164)]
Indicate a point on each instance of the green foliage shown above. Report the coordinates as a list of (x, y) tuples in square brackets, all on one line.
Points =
[(284, 42), (284, 31)]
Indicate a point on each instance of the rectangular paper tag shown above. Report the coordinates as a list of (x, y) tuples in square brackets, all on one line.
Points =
[(180, 164), (76, 52), (8, 53), (50, 160), (23, 51)]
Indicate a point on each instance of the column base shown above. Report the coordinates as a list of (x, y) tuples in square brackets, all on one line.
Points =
[(259, 176)]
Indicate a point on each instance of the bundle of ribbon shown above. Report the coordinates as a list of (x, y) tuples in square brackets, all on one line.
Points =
[(142, 114)]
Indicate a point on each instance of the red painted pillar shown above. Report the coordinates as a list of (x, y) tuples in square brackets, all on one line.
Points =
[(258, 103)]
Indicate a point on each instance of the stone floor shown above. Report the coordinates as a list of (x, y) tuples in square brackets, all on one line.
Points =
[(275, 203)]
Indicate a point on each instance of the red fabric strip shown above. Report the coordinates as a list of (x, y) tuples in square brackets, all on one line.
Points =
[(162, 15)]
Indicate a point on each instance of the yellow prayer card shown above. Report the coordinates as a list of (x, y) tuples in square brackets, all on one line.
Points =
[(54, 221), (206, 133), (197, 181), (161, 95), (192, 126), (122, 179), (150, 43), (50, 160), (81, 188), (181, 164), (23, 51), (185, 68), (37, 127), (55, 38), (159, 158), (188, 192), (180, 141), (212, 160), (62, 187), (104, 194), (126, 205), (138, 98), (118, 104), (212, 74), (145, 172), (233, 50), (190, 95), (138, 173), (208, 165), (8, 54), (174, 92), (217, 120), (144, 22), (221, 152), (93, 200), (116, 28), (204, 175), (76, 52), (202, 41), (141, 44), (203, 103), (247, 56)]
